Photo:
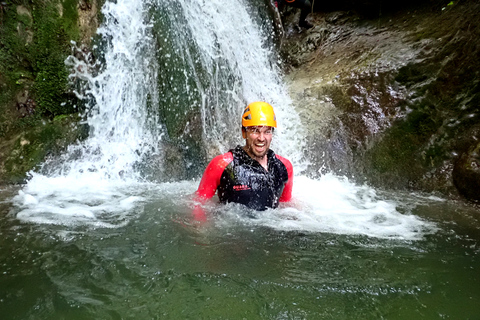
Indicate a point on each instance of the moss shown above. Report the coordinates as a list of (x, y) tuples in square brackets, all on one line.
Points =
[(32, 147), (60, 118), (69, 19), (397, 160), (38, 63), (14, 55), (25, 21), (35, 40), (51, 46)]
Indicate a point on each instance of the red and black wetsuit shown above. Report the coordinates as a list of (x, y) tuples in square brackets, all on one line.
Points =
[(239, 178)]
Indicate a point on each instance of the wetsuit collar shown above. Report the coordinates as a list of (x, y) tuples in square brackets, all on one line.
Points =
[(241, 153)]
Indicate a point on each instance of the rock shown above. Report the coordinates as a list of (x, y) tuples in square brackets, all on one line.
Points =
[(388, 100), (26, 108), (88, 20), (466, 173)]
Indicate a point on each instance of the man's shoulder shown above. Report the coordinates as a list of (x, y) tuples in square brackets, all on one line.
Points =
[(238, 152), (279, 157), (225, 158), (218, 164), (285, 161)]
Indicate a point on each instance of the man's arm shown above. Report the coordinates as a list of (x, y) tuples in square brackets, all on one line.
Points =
[(210, 182), (287, 190), (211, 177)]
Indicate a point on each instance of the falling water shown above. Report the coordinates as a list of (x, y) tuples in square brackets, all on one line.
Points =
[(123, 130), (231, 36), (93, 181), (97, 233), (223, 60)]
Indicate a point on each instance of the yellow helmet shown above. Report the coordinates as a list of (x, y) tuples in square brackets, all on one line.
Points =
[(259, 114)]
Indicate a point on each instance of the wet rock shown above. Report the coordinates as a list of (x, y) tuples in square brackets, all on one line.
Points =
[(403, 93), (466, 173), (27, 108), (35, 103), (85, 5), (27, 149), (88, 20), (25, 104), (22, 10)]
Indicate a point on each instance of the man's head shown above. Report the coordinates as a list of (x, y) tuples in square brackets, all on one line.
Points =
[(258, 123)]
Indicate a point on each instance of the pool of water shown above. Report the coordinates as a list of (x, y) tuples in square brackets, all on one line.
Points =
[(150, 260)]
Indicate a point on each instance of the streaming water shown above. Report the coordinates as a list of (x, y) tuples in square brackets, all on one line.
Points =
[(90, 237)]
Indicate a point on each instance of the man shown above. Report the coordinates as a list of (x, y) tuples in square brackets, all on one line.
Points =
[(252, 175), (305, 7)]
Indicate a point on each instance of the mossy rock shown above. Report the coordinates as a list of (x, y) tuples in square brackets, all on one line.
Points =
[(35, 39), (30, 148)]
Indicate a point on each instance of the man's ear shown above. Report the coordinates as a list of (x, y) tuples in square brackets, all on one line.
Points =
[(244, 133)]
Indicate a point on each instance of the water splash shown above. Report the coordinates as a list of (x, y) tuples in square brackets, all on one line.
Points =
[(334, 205), (228, 36), (122, 130), (97, 183)]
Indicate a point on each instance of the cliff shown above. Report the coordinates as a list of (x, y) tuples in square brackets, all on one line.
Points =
[(38, 109), (391, 98)]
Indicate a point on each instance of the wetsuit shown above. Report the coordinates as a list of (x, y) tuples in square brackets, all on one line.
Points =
[(239, 178)]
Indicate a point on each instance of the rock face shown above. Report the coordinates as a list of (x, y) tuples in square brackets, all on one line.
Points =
[(38, 110), (466, 172), (391, 100)]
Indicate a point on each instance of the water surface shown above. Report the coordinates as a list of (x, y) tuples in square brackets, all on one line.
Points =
[(151, 260)]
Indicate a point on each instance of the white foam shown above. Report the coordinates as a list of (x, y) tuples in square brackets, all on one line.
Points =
[(98, 185), (335, 205), (62, 200), (328, 205)]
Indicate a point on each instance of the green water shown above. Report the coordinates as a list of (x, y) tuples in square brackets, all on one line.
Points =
[(157, 267)]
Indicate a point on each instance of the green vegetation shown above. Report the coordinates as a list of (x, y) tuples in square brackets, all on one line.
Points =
[(451, 3), (35, 39), (50, 48), (34, 42), (31, 147)]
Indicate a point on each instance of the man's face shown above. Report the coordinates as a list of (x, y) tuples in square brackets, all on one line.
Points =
[(257, 140)]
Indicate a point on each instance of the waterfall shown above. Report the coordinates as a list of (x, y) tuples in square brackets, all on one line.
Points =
[(229, 45), (225, 33), (122, 130), (171, 66), (93, 182)]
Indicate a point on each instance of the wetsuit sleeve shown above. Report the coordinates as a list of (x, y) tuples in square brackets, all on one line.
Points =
[(287, 190), (211, 177)]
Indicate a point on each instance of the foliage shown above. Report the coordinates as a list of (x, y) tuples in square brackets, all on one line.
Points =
[(34, 43), (35, 39), (53, 33)]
